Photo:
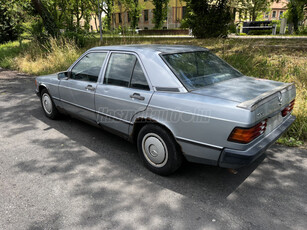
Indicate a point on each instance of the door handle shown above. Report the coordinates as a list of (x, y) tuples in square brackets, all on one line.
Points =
[(137, 96), (90, 87)]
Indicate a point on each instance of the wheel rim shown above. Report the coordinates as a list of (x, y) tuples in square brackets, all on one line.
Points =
[(47, 103), (154, 150)]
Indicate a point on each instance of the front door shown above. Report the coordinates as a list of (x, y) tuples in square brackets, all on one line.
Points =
[(77, 92), (125, 91)]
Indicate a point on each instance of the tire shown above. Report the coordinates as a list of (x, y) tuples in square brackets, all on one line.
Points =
[(48, 106), (158, 150)]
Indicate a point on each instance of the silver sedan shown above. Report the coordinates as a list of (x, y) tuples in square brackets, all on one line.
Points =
[(174, 102)]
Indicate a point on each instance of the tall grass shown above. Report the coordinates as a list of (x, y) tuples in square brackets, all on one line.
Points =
[(9, 51), (55, 56)]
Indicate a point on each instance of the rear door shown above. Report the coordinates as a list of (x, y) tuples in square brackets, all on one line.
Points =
[(77, 92), (124, 91)]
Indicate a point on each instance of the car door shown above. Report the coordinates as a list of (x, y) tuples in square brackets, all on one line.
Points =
[(77, 92), (123, 93)]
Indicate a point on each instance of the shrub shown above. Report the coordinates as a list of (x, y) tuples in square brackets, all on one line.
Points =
[(208, 18), (260, 32)]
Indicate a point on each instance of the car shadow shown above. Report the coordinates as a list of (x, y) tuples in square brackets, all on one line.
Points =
[(217, 182)]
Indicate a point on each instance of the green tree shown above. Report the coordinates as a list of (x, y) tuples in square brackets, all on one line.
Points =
[(296, 12), (160, 12), (254, 7), (134, 10), (208, 18), (49, 21)]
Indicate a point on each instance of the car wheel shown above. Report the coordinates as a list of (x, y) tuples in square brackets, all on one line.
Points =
[(158, 150), (48, 105)]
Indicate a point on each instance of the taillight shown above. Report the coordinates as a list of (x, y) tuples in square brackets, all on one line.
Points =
[(246, 135), (35, 83), (288, 109)]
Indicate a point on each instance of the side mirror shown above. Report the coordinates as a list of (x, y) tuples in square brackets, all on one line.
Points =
[(64, 75)]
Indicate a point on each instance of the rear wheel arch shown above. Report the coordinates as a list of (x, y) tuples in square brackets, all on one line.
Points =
[(157, 147), (141, 122)]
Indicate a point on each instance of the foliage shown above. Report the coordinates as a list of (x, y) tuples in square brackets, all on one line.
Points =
[(260, 32), (48, 18), (160, 12), (134, 10), (80, 38), (254, 7), (10, 20), (296, 13), (208, 18)]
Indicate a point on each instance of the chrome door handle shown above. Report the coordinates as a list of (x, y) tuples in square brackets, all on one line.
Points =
[(137, 96), (90, 87)]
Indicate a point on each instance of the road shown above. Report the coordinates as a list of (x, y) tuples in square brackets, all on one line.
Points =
[(66, 174)]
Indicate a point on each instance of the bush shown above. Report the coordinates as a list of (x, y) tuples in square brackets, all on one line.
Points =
[(303, 30), (260, 32), (8, 26), (232, 28), (207, 19), (80, 38)]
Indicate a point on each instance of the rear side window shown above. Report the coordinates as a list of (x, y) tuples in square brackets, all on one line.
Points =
[(125, 70), (138, 80), (119, 69), (88, 68)]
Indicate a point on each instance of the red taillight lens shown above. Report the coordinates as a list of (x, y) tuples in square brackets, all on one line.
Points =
[(35, 83), (288, 109), (246, 135)]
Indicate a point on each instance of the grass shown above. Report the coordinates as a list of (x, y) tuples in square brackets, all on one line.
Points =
[(280, 60)]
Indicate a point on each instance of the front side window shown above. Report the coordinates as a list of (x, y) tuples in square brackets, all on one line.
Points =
[(199, 69), (125, 70), (88, 68)]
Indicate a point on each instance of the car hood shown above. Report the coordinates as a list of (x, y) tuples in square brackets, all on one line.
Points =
[(239, 89)]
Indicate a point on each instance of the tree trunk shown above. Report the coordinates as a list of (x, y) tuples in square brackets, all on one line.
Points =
[(48, 19)]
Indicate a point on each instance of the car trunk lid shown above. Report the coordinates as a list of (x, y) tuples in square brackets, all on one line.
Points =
[(264, 98)]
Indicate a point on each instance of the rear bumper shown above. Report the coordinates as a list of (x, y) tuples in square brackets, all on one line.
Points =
[(231, 158)]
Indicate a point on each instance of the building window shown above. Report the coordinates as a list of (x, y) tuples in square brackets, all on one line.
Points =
[(266, 15), (120, 17), (145, 15), (274, 14), (281, 14), (184, 11)]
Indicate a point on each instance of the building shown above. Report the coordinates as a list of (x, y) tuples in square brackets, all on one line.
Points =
[(175, 13), (277, 9)]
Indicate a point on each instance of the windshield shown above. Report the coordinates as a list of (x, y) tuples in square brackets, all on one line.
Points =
[(199, 69)]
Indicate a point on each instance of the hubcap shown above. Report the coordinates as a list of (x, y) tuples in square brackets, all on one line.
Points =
[(154, 149), (47, 104)]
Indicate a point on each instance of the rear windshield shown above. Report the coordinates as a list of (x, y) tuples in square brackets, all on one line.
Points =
[(199, 69)]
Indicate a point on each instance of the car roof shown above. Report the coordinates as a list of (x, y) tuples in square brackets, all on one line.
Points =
[(152, 48)]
